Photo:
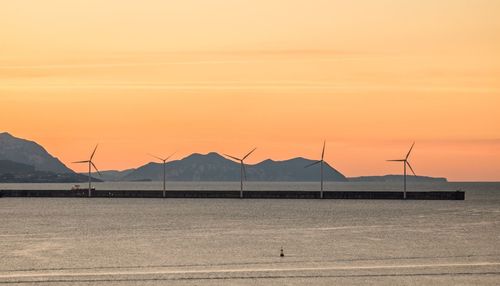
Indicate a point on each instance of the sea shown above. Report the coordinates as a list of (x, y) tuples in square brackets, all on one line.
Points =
[(124, 241)]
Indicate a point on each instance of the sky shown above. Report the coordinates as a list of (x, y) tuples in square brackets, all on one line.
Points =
[(151, 76)]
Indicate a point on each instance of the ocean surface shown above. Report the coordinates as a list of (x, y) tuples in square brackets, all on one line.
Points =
[(113, 241)]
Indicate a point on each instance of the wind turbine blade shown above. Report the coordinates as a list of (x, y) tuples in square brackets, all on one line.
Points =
[(323, 152), (312, 164), (411, 168), (246, 156), (92, 163), (79, 162), (408, 155), (93, 153), (244, 170), (155, 157), (401, 160), (232, 157), (170, 156)]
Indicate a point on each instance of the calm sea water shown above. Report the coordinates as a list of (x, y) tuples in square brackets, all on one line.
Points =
[(110, 241)]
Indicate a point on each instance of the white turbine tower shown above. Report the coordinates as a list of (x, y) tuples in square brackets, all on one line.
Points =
[(164, 160), (322, 161), (91, 164), (243, 172), (405, 162)]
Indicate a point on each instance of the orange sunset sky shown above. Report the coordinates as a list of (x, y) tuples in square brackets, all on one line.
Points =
[(150, 76)]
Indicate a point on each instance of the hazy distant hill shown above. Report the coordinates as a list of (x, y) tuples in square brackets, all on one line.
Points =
[(13, 172), (293, 171), (26, 161), (10, 167), (397, 178), (111, 175), (29, 153), (214, 167)]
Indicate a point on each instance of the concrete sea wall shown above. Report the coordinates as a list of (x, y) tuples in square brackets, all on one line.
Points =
[(361, 195)]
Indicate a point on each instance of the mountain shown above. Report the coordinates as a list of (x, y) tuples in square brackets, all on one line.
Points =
[(14, 172), (29, 153), (293, 171), (397, 178), (15, 168), (196, 167), (214, 167), (111, 175)]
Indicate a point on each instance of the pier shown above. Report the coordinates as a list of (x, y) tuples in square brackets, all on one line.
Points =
[(218, 194)]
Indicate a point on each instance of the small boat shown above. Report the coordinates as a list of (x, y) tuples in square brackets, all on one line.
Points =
[(78, 188)]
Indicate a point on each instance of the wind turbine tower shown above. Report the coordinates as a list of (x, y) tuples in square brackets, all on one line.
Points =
[(91, 164), (164, 160), (405, 163), (321, 162), (243, 172)]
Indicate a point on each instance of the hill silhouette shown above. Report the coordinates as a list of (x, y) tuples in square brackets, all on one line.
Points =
[(29, 153), (214, 167)]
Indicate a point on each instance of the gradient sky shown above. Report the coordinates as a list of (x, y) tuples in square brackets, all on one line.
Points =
[(149, 76)]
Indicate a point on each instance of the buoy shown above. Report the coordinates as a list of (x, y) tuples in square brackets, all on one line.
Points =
[(282, 254)]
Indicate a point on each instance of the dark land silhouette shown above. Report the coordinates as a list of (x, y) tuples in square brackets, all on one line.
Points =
[(24, 161)]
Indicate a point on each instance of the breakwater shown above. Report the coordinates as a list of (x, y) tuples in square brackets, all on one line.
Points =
[(216, 194)]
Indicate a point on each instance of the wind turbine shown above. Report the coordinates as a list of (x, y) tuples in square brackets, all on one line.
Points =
[(91, 164), (243, 171), (405, 162), (322, 161), (164, 160)]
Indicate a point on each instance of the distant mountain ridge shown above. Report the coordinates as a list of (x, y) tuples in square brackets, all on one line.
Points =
[(15, 168), (30, 153), (396, 178), (14, 172), (26, 161), (214, 167), (110, 175)]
